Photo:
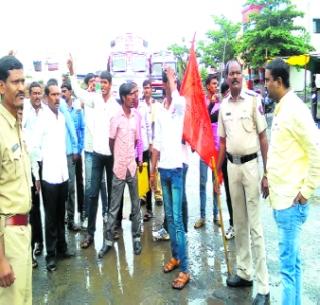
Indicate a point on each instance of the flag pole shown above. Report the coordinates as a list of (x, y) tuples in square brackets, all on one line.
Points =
[(214, 169)]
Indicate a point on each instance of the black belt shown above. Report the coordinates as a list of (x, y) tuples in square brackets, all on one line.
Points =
[(236, 159)]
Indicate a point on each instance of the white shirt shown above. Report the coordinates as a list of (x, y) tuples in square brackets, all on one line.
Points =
[(51, 141), (168, 133), (145, 125), (103, 113), (31, 122)]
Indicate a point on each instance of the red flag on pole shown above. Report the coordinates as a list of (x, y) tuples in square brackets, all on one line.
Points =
[(197, 129)]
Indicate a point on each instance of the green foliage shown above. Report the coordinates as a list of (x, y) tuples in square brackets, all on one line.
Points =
[(221, 44), (181, 52), (272, 32)]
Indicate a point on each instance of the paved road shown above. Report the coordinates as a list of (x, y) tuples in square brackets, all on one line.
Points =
[(123, 278)]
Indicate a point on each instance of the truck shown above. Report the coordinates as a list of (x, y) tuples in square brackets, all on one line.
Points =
[(128, 61), (158, 61)]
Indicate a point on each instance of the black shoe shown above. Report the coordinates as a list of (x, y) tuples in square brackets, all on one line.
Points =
[(66, 254), (261, 299), (137, 247), (38, 247), (116, 235), (237, 281), (104, 250), (159, 202), (73, 227), (51, 264)]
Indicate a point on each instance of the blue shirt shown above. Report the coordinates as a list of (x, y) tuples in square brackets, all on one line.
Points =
[(78, 121), (71, 135)]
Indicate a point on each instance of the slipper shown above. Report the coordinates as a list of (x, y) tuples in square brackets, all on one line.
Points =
[(147, 216), (171, 265), (86, 243), (181, 281)]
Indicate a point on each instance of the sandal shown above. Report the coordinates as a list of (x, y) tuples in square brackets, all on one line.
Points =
[(147, 216), (181, 281), (171, 265), (86, 243)]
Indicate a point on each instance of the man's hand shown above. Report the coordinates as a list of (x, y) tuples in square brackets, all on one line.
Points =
[(70, 65), (300, 199), (264, 187), (140, 165), (37, 185), (75, 158), (7, 276)]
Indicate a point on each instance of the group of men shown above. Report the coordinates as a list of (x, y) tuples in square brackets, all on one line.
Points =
[(121, 140)]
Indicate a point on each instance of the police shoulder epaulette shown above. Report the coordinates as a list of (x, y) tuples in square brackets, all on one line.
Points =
[(251, 93)]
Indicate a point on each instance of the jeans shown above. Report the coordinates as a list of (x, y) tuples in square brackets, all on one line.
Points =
[(172, 189), (103, 189), (203, 194), (289, 222), (184, 198), (99, 164)]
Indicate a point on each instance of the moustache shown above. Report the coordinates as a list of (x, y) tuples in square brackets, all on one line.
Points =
[(20, 94)]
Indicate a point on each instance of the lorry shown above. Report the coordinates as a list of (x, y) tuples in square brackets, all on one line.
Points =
[(128, 61), (158, 61)]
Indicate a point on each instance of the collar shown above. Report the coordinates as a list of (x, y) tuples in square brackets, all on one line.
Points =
[(8, 116), (282, 102)]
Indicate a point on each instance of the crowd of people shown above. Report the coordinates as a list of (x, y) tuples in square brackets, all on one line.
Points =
[(43, 140)]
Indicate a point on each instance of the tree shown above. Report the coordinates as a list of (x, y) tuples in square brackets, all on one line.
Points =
[(181, 52), (273, 32), (223, 41)]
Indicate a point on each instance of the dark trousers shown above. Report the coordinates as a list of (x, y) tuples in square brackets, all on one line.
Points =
[(99, 163), (54, 198), (79, 183), (226, 186), (35, 214)]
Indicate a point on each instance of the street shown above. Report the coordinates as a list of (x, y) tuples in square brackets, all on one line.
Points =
[(123, 278)]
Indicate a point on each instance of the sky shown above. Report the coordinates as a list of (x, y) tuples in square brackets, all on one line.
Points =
[(37, 29)]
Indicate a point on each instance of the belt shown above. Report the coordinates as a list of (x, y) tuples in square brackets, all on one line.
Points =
[(236, 159), (17, 220)]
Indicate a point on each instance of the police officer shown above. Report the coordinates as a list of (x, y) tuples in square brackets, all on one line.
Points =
[(15, 190), (242, 131)]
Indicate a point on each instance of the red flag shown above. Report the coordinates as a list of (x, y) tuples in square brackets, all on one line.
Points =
[(197, 126)]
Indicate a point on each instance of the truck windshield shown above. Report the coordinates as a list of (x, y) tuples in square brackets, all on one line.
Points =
[(158, 66), (139, 63), (119, 63)]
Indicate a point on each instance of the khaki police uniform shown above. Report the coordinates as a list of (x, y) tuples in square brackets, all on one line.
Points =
[(240, 122), (15, 198)]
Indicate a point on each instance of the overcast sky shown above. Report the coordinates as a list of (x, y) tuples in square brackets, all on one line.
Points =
[(43, 28)]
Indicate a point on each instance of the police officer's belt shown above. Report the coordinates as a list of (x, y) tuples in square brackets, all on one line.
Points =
[(17, 220), (236, 159)]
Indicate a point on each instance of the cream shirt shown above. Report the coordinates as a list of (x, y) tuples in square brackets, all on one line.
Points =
[(293, 162)]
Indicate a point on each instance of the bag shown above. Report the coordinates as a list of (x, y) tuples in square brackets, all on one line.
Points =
[(143, 180)]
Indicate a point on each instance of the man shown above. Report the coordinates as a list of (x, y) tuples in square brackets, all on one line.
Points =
[(168, 146), (213, 102), (105, 107), (124, 135), (152, 106), (74, 164), (90, 82), (293, 173), (15, 190), (31, 121), (242, 130), (52, 144)]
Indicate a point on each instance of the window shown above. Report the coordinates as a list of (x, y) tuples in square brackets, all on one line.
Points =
[(119, 63), (316, 25)]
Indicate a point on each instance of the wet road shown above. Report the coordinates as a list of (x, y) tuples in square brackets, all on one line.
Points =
[(123, 278)]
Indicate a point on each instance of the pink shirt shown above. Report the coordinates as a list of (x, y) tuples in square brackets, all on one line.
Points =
[(125, 131)]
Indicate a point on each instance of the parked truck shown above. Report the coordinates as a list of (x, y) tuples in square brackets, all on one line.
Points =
[(128, 60), (158, 61)]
